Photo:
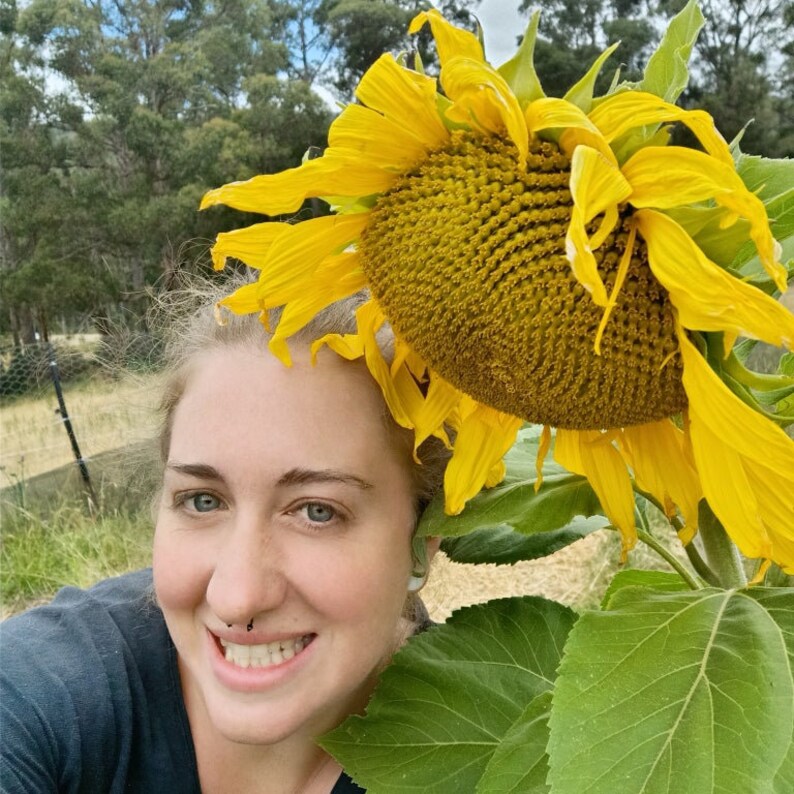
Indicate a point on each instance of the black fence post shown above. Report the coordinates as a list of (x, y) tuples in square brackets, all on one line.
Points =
[(67, 423)]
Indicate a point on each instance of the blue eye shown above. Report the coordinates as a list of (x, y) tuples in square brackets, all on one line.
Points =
[(318, 512), (203, 502)]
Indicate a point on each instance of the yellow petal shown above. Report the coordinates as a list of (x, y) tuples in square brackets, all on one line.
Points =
[(295, 254), (249, 244), (745, 462), (484, 437), (480, 94), (663, 468), (628, 110), (337, 277), (441, 400), (450, 41), (551, 113), (496, 474), (339, 173), (596, 185), (377, 139), (672, 176), (707, 297), (543, 450), (244, 300), (405, 98), (592, 455)]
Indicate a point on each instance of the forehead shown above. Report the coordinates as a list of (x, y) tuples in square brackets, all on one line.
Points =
[(244, 405)]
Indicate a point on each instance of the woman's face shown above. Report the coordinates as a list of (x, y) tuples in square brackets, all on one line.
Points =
[(282, 547)]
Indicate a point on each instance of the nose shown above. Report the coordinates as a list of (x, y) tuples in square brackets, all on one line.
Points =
[(248, 578)]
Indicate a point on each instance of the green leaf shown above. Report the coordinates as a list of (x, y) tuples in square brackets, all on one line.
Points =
[(502, 545), (676, 692), (786, 364), (519, 764), (778, 602), (514, 505), (765, 177), (519, 71), (666, 73), (656, 580), (518, 507), (450, 697)]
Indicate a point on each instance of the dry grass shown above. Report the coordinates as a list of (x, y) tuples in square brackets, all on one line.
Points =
[(105, 414)]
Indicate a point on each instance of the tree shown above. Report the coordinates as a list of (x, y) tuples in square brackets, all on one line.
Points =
[(155, 102)]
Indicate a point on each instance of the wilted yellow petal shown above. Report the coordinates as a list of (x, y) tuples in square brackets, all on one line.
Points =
[(406, 98), (332, 174), (496, 474), (672, 176), (378, 140), (663, 468), (295, 255), (442, 398), (249, 244), (244, 300), (707, 297), (543, 450), (483, 438), (481, 95), (596, 185), (336, 278), (591, 454), (450, 41), (551, 113), (745, 462), (625, 111)]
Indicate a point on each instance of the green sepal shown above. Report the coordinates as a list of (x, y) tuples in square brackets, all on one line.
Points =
[(786, 364), (581, 94), (519, 71), (667, 73)]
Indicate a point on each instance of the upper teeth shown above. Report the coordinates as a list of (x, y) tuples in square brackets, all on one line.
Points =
[(265, 655)]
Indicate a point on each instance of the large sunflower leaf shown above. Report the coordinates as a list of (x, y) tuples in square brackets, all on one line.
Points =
[(514, 505), (656, 580), (667, 71), (767, 178), (674, 692), (501, 545), (451, 696), (519, 764)]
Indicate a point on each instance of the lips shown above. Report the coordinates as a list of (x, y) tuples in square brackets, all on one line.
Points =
[(266, 654)]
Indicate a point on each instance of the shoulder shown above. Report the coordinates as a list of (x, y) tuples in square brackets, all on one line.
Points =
[(81, 676)]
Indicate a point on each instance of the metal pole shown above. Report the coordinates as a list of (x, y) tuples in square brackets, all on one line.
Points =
[(67, 423)]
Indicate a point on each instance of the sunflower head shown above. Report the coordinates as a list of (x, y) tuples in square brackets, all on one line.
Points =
[(537, 260)]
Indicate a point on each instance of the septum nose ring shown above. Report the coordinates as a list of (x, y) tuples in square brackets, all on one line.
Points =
[(249, 626)]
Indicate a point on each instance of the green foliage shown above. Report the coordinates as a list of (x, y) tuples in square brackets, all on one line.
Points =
[(453, 695), (717, 715)]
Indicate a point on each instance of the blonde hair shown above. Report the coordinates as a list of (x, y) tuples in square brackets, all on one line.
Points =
[(191, 328)]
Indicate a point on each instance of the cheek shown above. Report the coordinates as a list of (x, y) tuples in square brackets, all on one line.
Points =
[(180, 572)]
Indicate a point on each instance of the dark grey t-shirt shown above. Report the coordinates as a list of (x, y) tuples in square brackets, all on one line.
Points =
[(90, 699)]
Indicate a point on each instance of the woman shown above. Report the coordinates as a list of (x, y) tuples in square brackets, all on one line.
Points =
[(283, 577)]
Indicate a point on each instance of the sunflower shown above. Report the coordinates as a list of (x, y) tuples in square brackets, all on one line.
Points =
[(526, 253)]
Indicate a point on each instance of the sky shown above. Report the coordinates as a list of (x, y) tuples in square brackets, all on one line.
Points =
[(502, 24)]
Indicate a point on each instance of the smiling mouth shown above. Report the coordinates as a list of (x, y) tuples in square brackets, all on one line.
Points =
[(265, 655)]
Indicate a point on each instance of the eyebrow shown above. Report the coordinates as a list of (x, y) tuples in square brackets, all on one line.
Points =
[(303, 476), (292, 477), (200, 470)]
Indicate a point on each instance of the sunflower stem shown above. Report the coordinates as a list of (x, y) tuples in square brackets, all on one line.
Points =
[(699, 564), (722, 555), (670, 559)]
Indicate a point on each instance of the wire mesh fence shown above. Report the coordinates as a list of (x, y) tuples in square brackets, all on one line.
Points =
[(71, 399)]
